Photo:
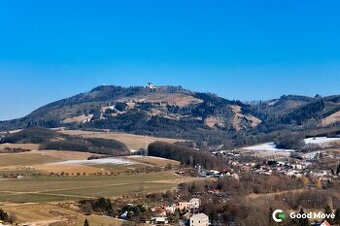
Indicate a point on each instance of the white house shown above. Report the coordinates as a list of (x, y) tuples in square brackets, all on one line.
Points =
[(195, 203), (199, 220), (159, 220), (170, 209)]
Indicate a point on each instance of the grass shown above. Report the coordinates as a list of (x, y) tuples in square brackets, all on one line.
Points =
[(159, 162), (46, 189), (66, 155), (70, 169), (25, 159), (44, 213)]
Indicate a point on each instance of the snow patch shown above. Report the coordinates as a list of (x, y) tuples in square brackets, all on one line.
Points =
[(270, 146), (111, 161), (320, 140), (151, 157)]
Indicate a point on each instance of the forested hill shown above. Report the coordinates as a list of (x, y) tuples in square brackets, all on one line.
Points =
[(172, 111)]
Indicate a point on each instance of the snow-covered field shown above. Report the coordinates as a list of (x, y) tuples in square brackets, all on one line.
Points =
[(320, 140), (111, 161), (151, 157), (270, 146)]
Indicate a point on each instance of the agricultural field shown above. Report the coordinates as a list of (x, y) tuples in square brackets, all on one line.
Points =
[(25, 159), (154, 161), (133, 142), (41, 187), (50, 188), (59, 176), (56, 214), (40, 198)]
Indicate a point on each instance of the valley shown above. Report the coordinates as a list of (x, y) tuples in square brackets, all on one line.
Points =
[(164, 155)]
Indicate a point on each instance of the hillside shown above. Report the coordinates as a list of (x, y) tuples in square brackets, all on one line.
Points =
[(162, 111), (298, 113), (47, 139), (174, 112)]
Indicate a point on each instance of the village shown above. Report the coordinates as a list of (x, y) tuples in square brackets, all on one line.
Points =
[(190, 218)]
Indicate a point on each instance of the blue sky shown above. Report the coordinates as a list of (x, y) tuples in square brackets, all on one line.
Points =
[(238, 49)]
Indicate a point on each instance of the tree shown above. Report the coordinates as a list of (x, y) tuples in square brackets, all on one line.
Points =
[(338, 169), (3, 215), (328, 210), (290, 141), (270, 217), (303, 221), (318, 184), (337, 216), (304, 180), (86, 223)]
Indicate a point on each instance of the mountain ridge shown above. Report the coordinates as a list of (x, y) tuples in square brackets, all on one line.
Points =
[(173, 111)]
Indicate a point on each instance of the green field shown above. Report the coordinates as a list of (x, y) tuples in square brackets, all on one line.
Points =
[(45, 188), (25, 159)]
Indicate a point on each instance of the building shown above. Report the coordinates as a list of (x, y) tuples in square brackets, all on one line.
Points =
[(199, 220), (192, 204), (325, 223), (184, 206), (195, 203), (159, 220), (170, 209), (150, 86)]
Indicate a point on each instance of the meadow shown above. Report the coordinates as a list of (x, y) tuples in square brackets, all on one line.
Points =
[(51, 182)]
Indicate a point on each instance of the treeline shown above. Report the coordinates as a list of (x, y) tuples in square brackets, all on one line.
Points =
[(185, 155), (14, 150), (288, 140), (93, 145), (247, 184), (102, 205), (52, 140), (31, 135), (133, 213)]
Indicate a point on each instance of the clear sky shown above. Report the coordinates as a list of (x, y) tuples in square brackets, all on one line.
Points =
[(244, 49)]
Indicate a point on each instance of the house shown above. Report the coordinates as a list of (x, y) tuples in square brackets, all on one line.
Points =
[(192, 204), (184, 205), (159, 220), (195, 203), (199, 220), (170, 209), (235, 176), (159, 210), (325, 223), (150, 86)]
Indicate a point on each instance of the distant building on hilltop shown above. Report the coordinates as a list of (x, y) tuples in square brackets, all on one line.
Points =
[(150, 86)]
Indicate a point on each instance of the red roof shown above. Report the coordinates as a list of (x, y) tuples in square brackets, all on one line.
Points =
[(325, 223)]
